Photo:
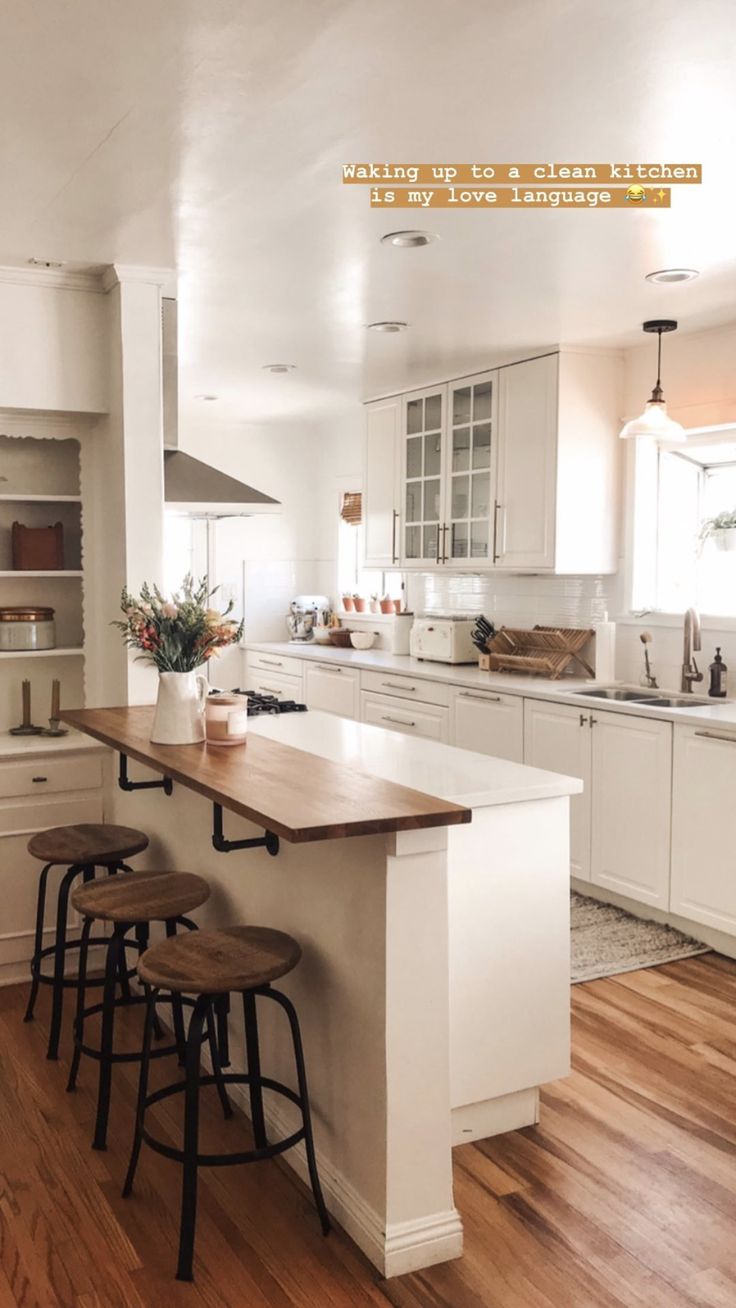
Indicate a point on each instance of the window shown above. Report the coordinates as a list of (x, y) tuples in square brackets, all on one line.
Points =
[(677, 490), (352, 577)]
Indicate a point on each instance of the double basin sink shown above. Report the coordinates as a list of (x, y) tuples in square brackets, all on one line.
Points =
[(651, 698)]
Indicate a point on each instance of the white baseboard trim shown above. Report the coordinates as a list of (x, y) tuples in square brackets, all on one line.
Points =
[(402, 1247), (495, 1116)]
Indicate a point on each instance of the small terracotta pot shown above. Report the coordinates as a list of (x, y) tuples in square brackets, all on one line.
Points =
[(387, 606), (359, 604), (398, 605), (347, 603)]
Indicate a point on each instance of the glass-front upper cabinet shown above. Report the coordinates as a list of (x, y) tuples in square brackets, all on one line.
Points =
[(424, 422), (471, 463)]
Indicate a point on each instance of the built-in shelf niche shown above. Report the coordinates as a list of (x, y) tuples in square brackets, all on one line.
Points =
[(40, 485)]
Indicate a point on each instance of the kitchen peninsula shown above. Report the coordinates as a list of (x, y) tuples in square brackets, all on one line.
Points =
[(434, 988)]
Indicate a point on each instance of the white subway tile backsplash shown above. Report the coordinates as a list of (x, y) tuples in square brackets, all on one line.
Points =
[(514, 600)]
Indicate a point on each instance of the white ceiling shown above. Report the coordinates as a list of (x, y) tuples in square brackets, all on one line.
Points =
[(210, 137)]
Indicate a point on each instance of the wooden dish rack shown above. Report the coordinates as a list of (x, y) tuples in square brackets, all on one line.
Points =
[(546, 651)]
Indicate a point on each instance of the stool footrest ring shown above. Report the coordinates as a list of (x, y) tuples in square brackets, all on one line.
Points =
[(229, 1159)]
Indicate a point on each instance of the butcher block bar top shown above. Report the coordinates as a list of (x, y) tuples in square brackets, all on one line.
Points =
[(296, 795)]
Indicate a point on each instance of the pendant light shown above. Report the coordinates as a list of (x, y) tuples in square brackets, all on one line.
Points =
[(653, 422)]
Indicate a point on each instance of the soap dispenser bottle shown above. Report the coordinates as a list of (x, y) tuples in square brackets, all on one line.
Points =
[(718, 671)]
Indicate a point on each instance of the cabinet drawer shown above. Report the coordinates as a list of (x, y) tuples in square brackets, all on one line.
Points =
[(333, 689), (396, 683), (274, 683), (41, 776), (23, 819), (395, 714), (274, 663), (488, 723)]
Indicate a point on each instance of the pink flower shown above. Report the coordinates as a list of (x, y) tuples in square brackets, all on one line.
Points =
[(170, 610)]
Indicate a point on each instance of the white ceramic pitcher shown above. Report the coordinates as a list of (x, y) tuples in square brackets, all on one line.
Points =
[(179, 718)]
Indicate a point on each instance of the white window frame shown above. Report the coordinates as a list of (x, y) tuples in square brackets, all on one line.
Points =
[(641, 520)]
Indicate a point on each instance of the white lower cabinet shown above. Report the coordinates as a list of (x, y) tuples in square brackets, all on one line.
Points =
[(703, 886), (274, 683), (488, 723), (557, 738), (396, 714), (332, 688), (620, 825), (631, 794)]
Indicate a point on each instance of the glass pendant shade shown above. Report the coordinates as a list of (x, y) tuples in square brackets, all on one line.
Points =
[(654, 423)]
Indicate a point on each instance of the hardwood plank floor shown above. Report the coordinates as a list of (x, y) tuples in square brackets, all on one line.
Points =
[(623, 1197)]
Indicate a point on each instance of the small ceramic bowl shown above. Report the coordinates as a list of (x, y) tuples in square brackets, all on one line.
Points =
[(362, 639), (321, 635)]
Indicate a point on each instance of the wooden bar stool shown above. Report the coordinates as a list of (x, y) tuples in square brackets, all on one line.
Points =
[(81, 849), (212, 964), (130, 903)]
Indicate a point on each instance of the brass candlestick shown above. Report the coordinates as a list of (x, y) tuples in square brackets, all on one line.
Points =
[(55, 728), (26, 727)]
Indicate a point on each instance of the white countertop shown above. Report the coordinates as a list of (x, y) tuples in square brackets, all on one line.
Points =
[(29, 746), (474, 780), (717, 714)]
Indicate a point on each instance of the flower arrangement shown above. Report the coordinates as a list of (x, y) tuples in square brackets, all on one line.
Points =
[(177, 634)]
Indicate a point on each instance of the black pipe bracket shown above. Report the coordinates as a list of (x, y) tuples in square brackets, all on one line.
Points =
[(268, 841), (165, 783)]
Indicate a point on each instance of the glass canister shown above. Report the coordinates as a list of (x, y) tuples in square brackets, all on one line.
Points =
[(27, 627), (226, 719)]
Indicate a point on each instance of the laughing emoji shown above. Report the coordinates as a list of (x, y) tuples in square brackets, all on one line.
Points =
[(636, 194)]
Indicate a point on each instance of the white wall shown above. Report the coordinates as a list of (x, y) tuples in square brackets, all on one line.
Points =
[(285, 553), (53, 344)]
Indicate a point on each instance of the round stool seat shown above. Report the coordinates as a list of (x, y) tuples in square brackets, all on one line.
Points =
[(216, 962), (141, 896), (88, 844)]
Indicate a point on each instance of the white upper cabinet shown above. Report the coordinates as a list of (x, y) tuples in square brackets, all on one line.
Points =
[(469, 471), (423, 476), (516, 469), (381, 492), (527, 466)]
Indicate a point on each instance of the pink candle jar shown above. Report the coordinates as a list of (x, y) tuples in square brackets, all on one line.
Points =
[(226, 719)]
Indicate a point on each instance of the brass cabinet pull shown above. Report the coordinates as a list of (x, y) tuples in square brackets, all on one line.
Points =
[(401, 722), (37, 779), (439, 538), (445, 530), (327, 667), (397, 685), (272, 663), (583, 719), (270, 690), (394, 554), (714, 735)]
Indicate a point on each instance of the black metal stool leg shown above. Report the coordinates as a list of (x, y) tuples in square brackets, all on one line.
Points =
[(253, 1056), (142, 1090), (301, 1073), (177, 1011), (38, 942), (115, 950), (59, 960), (216, 1066), (222, 1009), (81, 987), (191, 1141)]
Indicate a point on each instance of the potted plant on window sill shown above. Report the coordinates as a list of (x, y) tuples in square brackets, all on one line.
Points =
[(179, 635), (721, 530)]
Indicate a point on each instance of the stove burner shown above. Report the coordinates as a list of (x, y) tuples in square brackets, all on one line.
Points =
[(258, 704)]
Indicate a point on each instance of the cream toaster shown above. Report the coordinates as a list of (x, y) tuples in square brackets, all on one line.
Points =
[(443, 640)]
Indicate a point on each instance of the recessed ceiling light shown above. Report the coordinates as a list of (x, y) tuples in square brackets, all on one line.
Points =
[(387, 326), (206, 397), (279, 367), (45, 263), (409, 240), (667, 275)]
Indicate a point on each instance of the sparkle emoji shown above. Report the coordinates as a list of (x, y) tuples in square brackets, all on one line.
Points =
[(636, 194)]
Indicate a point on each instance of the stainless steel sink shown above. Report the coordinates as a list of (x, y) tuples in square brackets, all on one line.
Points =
[(651, 698), (611, 692)]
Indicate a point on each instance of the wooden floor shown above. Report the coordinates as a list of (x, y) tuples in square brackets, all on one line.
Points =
[(624, 1197)]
